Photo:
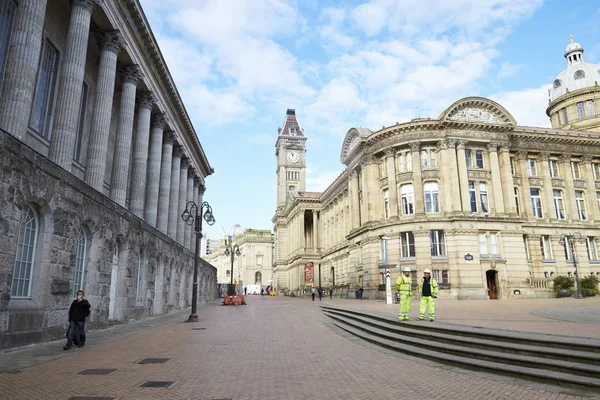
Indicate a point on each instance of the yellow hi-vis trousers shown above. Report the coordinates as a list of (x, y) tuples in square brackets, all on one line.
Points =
[(404, 306), (427, 304)]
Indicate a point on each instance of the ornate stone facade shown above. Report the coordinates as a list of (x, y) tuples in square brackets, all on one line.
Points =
[(471, 195), (87, 161)]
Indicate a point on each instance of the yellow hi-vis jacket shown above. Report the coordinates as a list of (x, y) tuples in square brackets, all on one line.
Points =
[(434, 287), (404, 284)]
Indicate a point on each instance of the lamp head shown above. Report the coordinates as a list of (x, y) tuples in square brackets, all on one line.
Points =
[(227, 252), (185, 215), (238, 252)]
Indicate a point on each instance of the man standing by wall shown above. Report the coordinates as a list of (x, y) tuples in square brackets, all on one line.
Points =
[(428, 289), (404, 287), (80, 309)]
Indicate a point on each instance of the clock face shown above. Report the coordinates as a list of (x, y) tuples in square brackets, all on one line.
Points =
[(293, 157)]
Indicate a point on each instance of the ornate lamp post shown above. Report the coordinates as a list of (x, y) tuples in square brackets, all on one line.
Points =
[(231, 250), (193, 215), (568, 239)]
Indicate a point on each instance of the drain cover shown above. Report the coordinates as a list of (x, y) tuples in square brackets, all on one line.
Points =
[(96, 371), (91, 398), (199, 329), (157, 384), (154, 360)]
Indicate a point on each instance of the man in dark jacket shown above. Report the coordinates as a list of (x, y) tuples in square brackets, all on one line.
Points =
[(80, 309)]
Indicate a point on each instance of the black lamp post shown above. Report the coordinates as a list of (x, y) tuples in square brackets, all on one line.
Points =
[(193, 215), (232, 250), (568, 239)]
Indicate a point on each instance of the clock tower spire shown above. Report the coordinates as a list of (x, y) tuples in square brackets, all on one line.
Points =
[(290, 150)]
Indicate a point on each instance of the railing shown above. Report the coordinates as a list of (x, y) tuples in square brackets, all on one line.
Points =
[(541, 283)]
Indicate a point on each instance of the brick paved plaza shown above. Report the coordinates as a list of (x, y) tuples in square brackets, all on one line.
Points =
[(273, 348)]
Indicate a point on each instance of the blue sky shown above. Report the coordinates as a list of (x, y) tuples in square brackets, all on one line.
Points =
[(239, 64)]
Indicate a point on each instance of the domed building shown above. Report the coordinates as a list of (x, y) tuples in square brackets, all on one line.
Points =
[(574, 101), (481, 201)]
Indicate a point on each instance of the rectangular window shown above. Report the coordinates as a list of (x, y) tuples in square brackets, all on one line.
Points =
[(589, 109), (469, 158), (483, 197), (401, 164), (259, 260), (408, 161), (432, 162), (445, 277), (546, 247), (596, 170), (432, 204), (531, 167), (494, 243), (553, 166), (479, 159), (42, 104), (581, 212), (526, 244), (7, 15), (474, 158), (559, 206), (424, 159), (513, 166), (437, 243), (473, 197), (517, 200), (564, 116), (382, 168), (81, 122), (567, 249), (382, 248), (483, 249), (386, 204), (575, 171), (591, 248), (407, 248), (408, 199), (536, 203), (580, 111)]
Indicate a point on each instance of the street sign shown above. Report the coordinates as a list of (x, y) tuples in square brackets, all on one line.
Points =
[(365, 272), (468, 257), (390, 266)]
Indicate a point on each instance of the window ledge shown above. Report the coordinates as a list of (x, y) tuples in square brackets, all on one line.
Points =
[(594, 261), (23, 304), (414, 258), (549, 261), (439, 257)]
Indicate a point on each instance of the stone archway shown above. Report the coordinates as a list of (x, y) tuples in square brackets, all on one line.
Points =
[(492, 284)]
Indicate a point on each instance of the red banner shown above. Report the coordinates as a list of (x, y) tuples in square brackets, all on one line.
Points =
[(309, 275)]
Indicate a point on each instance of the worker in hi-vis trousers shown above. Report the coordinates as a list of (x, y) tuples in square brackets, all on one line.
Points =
[(404, 287), (428, 289)]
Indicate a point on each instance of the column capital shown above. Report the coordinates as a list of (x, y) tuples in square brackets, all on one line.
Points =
[(202, 189), (111, 40), (369, 159), (544, 155), (354, 173), (196, 181), (89, 5), (159, 120), (185, 162), (389, 153), (565, 158), (177, 151), (131, 74), (587, 159), (461, 144), (146, 100), (450, 143), (522, 155), (504, 147), (169, 136), (493, 147), (442, 145), (414, 146), (191, 172)]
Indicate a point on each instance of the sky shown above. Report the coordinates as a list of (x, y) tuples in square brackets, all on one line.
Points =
[(240, 64)]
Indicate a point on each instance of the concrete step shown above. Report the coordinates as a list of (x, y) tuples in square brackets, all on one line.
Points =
[(531, 362), (561, 355), (526, 338)]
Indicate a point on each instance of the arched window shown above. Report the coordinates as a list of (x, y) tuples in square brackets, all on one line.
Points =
[(332, 276), (23, 269), (257, 278), (80, 252)]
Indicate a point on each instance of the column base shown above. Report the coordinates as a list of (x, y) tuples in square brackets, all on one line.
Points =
[(192, 318)]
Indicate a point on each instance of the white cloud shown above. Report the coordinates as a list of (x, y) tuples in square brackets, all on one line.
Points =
[(371, 18), (508, 69), (318, 180), (528, 106)]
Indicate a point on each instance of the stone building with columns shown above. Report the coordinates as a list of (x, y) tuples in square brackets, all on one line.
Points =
[(98, 159), (254, 265), (471, 195)]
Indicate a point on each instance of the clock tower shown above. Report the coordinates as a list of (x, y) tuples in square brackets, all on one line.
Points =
[(290, 150)]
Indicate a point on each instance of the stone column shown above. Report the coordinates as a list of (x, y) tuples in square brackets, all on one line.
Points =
[(174, 194), (70, 82), (548, 192), (463, 176), (354, 203), (164, 190), (301, 230), (508, 186), (445, 196), (140, 155), (316, 230), (158, 123), (392, 185), (182, 199), (525, 188), (130, 76), (496, 181), (455, 201), (417, 178), (187, 234), (569, 193), (590, 194), (23, 57), (110, 44)]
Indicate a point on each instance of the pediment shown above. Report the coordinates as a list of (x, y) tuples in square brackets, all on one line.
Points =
[(478, 110), (352, 142)]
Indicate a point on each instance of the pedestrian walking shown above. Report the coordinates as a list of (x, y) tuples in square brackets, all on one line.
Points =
[(312, 292), (80, 309), (404, 287), (331, 293), (428, 289), (262, 292), (320, 294), (360, 292), (245, 290)]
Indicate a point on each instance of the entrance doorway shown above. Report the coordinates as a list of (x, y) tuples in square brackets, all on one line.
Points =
[(492, 284)]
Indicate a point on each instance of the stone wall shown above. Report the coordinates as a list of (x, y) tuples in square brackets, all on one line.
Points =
[(116, 240)]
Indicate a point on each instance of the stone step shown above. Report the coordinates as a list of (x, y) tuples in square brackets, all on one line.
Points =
[(572, 355), (565, 379), (588, 345)]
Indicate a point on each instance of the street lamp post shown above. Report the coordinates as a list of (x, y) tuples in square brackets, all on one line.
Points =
[(388, 283), (232, 250), (568, 239), (193, 215)]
